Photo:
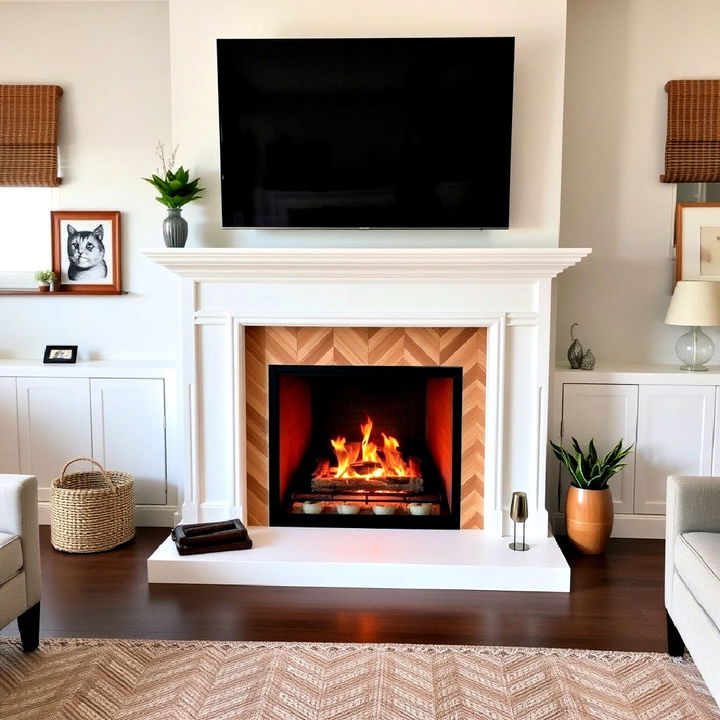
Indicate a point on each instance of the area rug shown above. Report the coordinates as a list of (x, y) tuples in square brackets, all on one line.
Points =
[(154, 680)]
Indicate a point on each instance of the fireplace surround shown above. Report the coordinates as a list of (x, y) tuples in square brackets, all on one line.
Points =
[(508, 292), (270, 346)]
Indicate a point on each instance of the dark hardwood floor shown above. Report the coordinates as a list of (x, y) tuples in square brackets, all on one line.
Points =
[(616, 603)]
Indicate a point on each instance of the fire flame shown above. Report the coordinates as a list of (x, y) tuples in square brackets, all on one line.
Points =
[(365, 460)]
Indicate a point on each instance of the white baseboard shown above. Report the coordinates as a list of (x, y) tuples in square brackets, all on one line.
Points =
[(145, 515), (649, 527)]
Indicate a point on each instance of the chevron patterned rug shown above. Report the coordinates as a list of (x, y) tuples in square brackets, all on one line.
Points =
[(152, 680)]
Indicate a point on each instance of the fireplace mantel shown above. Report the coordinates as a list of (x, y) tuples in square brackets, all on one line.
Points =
[(508, 291), (359, 265)]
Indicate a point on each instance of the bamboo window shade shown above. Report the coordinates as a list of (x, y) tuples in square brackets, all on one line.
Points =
[(692, 149), (29, 135)]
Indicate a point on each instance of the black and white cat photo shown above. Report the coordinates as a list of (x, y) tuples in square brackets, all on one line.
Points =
[(86, 254)]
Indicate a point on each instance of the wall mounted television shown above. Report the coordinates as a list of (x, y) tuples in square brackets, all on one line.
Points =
[(366, 132)]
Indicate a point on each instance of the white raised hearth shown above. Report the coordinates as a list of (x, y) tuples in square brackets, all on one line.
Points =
[(508, 291)]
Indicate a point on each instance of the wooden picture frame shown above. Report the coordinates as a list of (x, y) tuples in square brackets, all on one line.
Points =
[(60, 354), (697, 241), (86, 251)]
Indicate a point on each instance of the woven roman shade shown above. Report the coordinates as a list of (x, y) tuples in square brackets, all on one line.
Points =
[(29, 135), (692, 149)]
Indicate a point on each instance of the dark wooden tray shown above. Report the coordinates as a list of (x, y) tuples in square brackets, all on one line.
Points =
[(199, 538)]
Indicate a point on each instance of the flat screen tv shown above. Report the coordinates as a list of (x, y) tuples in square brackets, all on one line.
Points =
[(366, 132)]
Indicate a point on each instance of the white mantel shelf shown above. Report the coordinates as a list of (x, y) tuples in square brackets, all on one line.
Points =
[(365, 264)]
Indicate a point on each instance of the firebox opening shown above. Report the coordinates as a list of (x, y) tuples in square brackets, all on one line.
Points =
[(356, 446)]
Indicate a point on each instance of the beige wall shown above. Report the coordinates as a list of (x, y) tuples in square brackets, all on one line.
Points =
[(112, 59), (620, 54), (539, 28)]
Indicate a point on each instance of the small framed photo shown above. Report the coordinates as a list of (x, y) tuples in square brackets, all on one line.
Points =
[(86, 251), (60, 354), (697, 241)]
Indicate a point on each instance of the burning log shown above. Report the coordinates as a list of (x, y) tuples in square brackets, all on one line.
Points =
[(323, 468), (366, 468), (367, 485)]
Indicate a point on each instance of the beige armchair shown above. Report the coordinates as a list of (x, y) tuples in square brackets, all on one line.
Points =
[(692, 572), (20, 557)]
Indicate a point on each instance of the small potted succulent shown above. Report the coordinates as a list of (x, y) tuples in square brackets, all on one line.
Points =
[(45, 280), (175, 189), (588, 506)]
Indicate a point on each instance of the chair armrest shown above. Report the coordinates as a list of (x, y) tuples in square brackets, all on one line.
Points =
[(18, 503), (19, 516), (693, 505)]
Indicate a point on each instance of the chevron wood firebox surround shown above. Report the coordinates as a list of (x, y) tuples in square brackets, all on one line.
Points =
[(410, 346)]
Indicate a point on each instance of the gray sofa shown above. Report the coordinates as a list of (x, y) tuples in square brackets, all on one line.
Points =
[(20, 557), (692, 573)]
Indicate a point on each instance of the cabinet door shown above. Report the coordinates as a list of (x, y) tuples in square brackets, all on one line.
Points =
[(128, 430), (54, 426), (9, 450), (606, 414), (675, 434)]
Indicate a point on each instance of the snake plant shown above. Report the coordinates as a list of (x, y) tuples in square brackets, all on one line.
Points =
[(587, 470)]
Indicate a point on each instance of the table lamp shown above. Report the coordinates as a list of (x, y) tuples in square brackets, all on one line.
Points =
[(695, 303)]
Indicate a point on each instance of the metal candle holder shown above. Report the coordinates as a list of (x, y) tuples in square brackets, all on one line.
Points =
[(519, 514)]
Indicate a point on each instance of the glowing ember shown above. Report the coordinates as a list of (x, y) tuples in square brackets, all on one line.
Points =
[(365, 460)]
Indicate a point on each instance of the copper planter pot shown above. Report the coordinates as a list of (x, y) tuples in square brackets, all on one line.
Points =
[(589, 519)]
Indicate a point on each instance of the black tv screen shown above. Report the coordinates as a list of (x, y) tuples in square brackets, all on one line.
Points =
[(366, 132)]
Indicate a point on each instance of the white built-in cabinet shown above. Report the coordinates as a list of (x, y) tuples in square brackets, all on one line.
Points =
[(53, 426), (604, 413), (52, 414), (128, 431), (674, 436), (9, 445), (670, 417)]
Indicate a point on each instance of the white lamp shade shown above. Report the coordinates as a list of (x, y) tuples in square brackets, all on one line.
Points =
[(694, 303)]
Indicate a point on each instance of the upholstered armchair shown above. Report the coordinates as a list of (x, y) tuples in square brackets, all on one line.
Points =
[(20, 557), (692, 573)]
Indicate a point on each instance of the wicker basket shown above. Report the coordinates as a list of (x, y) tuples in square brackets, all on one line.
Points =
[(91, 511)]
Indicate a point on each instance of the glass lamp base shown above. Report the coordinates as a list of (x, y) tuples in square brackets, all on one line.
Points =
[(694, 349)]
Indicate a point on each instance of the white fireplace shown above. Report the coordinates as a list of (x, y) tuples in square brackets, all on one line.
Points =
[(507, 291)]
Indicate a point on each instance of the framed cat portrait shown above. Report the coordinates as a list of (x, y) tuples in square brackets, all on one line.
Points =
[(86, 251)]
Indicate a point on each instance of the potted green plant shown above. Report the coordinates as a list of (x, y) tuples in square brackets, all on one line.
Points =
[(45, 279), (175, 189), (588, 506)]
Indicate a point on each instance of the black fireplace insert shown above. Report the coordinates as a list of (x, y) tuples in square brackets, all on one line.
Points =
[(361, 446)]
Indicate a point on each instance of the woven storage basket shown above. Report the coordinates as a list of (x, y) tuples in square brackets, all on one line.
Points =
[(91, 511)]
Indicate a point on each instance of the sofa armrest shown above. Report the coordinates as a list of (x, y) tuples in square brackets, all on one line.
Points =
[(693, 505), (19, 516)]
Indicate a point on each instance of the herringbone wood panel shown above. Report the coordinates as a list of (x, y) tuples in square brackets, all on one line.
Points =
[(171, 680), (447, 347)]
